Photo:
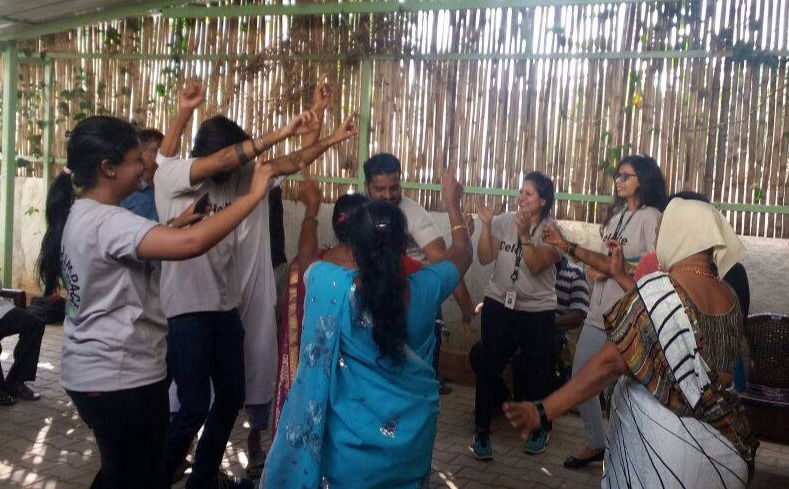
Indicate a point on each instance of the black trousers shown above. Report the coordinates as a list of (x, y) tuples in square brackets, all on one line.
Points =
[(503, 332), (31, 332), (130, 427)]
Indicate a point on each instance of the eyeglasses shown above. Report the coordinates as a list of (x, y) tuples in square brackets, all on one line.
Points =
[(624, 176)]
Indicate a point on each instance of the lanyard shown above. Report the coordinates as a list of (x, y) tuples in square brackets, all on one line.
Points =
[(519, 253), (618, 233)]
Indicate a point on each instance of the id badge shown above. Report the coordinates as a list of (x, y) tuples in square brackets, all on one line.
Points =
[(509, 299)]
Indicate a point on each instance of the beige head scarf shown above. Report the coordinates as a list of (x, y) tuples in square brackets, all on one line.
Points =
[(692, 226)]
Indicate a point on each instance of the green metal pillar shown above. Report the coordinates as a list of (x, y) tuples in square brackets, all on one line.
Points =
[(49, 127), (8, 141), (364, 119)]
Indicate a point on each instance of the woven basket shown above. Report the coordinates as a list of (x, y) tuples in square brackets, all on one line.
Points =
[(768, 338), (767, 396)]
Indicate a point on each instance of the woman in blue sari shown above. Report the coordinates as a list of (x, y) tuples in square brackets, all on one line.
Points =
[(363, 409)]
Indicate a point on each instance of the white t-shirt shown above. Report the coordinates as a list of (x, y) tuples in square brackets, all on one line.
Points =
[(421, 228), (258, 298), (534, 292), (636, 231), (209, 282), (114, 330)]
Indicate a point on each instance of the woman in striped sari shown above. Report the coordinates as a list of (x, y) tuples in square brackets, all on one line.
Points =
[(671, 349)]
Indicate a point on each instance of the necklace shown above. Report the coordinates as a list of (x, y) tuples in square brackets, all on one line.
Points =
[(704, 272)]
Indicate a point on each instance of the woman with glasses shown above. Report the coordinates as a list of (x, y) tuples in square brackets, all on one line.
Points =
[(632, 220), (671, 352)]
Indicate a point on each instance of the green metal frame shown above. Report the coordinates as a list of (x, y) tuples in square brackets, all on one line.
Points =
[(131, 10), (12, 60), (368, 7), (670, 54), (49, 127), (10, 94), (167, 9), (560, 196), (364, 118)]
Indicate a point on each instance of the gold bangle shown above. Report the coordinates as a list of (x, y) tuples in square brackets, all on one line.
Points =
[(459, 226), (309, 218)]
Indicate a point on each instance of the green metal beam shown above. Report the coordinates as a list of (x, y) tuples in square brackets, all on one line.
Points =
[(695, 53), (367, 7), (37, 159), (49, 127), (8, 142), (502, 192), (364, 119), (563, 196), (130, 10), (772, 209)]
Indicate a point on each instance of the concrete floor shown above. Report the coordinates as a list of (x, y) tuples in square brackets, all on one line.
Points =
[(45, 445)]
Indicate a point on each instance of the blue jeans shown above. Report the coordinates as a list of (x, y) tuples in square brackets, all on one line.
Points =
[(258, 415), (204, 348)]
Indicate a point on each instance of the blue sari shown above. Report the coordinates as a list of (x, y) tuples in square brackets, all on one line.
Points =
[(353, 418)]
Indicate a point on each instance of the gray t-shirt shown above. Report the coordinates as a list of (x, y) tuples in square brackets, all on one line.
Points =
[(534, 292), (209, 282), (114, 330), (636, 231), (421, 229)]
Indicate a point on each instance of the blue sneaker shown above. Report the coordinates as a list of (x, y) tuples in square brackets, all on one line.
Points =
[(537, 442), (480, 446)]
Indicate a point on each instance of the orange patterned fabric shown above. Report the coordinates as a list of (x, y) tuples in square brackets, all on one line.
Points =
[(631, 329)]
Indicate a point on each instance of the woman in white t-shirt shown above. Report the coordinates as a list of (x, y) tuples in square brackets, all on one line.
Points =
[(113, 365), (632, 221), (520, 304)]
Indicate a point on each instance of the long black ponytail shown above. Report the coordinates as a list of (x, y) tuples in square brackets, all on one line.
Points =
[(92, 141), (378, 241)]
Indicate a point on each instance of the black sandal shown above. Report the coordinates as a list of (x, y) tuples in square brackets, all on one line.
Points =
[(576, 463), (22, 391), (6, 399)]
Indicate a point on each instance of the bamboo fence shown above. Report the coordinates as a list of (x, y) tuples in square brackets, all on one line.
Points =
[(563, 89)]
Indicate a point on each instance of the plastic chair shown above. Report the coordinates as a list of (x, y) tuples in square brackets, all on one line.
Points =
[(767, 395)]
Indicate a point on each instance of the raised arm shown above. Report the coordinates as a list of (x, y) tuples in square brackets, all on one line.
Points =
[(188, 100), (321, 96), (232, 157), (436, 251), (487, 246), (310, 195), (459, 251), (168, 243), (293, 162)]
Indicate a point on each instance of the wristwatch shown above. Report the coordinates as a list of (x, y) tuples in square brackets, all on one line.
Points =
[(544, 423)]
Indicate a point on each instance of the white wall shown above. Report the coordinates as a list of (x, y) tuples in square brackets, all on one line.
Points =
[(766, 260), (29, 227)]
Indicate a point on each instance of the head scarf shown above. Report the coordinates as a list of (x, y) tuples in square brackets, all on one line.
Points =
[(692, 226)]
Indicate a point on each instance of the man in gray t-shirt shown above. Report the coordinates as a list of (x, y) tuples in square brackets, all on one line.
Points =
[(425, 243)]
